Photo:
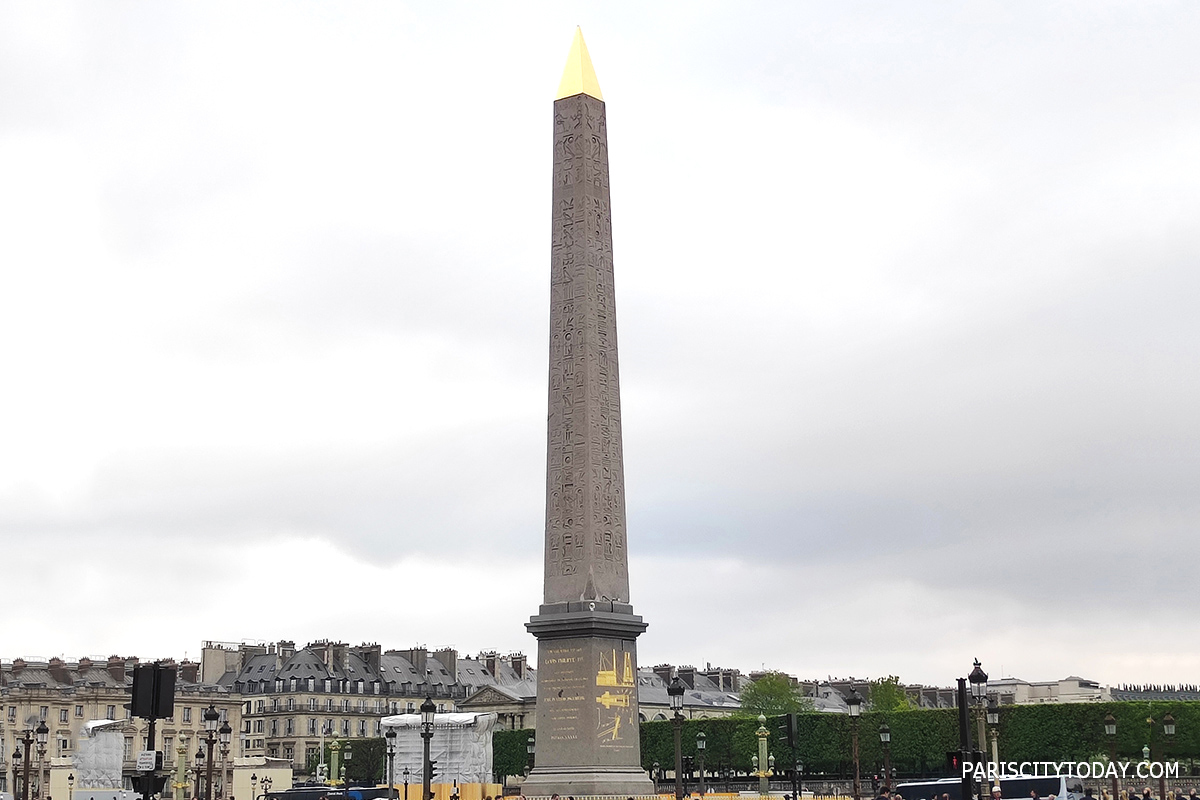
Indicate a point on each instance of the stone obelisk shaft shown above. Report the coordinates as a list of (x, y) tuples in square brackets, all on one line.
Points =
[(587, 712)]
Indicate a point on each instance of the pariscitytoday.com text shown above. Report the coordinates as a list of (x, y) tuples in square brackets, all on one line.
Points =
[(991, 771)]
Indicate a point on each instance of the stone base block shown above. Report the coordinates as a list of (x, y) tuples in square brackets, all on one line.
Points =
[(588, 784)]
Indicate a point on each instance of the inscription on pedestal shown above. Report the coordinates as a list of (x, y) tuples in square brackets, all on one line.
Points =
[(564, 670)]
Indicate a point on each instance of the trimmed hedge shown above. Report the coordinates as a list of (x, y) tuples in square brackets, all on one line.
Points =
[(920, 739)]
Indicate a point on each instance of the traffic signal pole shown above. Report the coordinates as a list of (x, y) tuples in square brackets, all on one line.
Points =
[(964, 739)]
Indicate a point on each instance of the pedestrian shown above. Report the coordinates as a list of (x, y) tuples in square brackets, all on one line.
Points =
[(996, 792), (1033, 795)]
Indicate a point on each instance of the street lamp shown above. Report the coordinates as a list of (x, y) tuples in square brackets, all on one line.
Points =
[(1110, 730), (266, 784), (978, 680), (1169, 730), (675, 691), (346, 754), (71, 786), (993, 721), (199, 769), (391, 756), (212, 720), (407, 773), (701, 746), (253, 786), (18, 761), (529, 751), (885, 738), (42, 734), (224, 737), (854, 703), (428, 714)]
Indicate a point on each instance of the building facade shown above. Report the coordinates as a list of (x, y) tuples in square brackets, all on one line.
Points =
[(294, 699), (67, 695)]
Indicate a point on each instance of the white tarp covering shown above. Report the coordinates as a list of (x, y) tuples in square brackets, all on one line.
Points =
[(461, 746), (99, 756)]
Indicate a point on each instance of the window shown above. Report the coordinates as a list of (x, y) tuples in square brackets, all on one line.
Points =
[(345, 727), (410, 708), (289, 727), (79, 711), (258, 726), (289, 752), (312, 727), (63, 715), (128, 748), (345, 705), (260, 706), (291, 704), (311, 754), (12, 713), (274, 727), (312, 704), (273, 751), (274, 703), (328, 704), (441, 708), (168, 751), (63, 745), (362, 727), (187, 715), (110, 712), (44, 713)]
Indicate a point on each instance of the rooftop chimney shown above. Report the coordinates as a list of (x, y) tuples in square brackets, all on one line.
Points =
[(58, 670), (448, 657), (517, 661)]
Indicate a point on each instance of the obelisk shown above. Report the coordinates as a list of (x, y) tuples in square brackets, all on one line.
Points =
[(587, 710)]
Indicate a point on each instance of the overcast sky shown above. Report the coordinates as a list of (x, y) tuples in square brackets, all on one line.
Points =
[(906, 293)]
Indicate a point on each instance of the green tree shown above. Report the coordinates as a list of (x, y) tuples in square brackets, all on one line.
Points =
[(773, 694), (886, 694)]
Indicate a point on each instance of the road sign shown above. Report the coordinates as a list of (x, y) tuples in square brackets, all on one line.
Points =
[(146, 761)]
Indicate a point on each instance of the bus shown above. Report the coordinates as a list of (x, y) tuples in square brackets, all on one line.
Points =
[(1016, 788)]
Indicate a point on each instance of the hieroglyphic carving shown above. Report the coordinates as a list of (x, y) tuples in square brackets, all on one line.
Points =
[(585, 509)]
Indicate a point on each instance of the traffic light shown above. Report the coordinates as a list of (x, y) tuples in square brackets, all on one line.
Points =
[(432, 770), (954, 762), (146, 785)]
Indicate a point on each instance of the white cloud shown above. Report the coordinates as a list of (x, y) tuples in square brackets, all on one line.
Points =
[(894, 289)]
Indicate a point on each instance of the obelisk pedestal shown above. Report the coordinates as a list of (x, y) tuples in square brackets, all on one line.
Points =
[(587, 710)]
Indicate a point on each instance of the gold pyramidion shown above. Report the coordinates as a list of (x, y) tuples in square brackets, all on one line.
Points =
[(578, 77)]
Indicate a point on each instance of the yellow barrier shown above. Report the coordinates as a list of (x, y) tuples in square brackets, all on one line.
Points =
[(444, 791)]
